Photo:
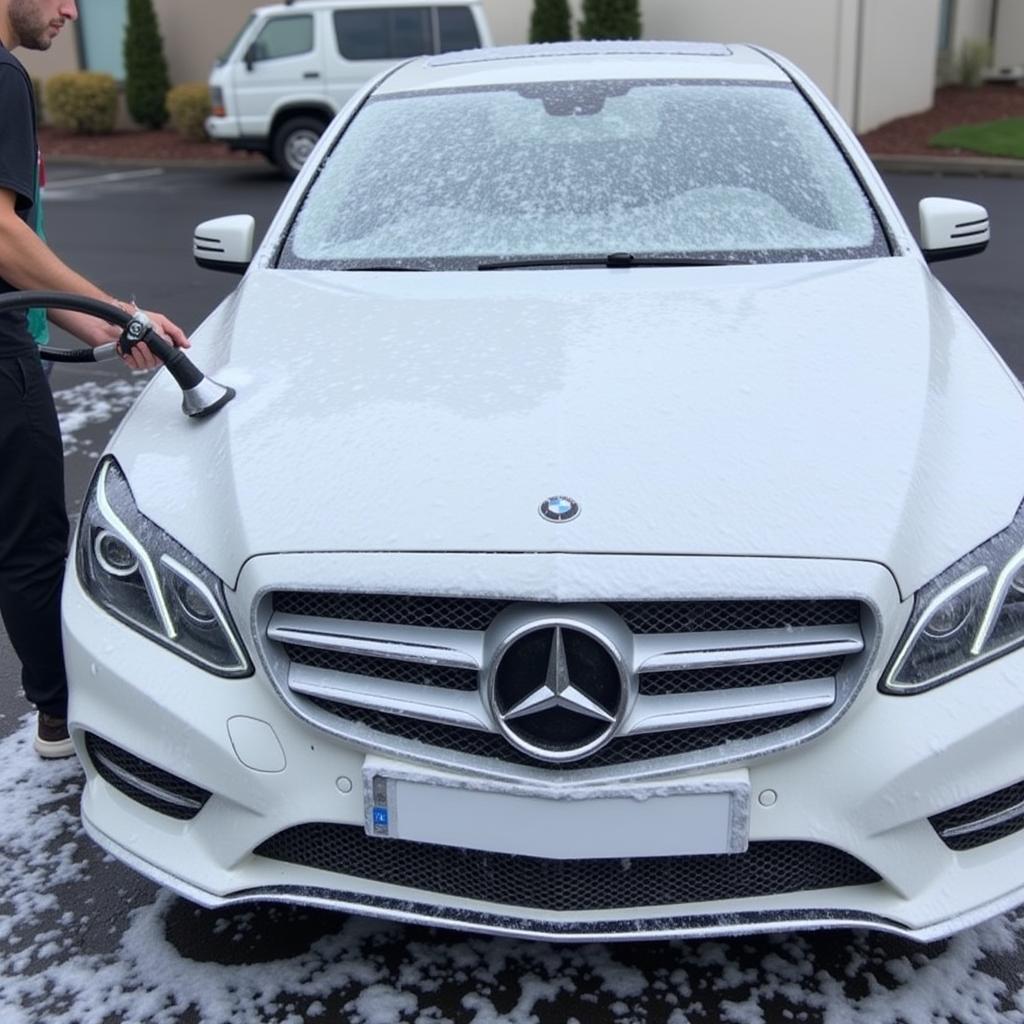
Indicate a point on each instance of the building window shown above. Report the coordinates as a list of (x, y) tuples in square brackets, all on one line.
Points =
[(946, 25), (101, 36)]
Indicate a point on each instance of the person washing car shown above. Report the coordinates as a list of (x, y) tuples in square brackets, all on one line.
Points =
[(33, 520)]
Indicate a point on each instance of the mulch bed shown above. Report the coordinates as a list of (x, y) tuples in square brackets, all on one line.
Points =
[(136, 145), (954, 106)]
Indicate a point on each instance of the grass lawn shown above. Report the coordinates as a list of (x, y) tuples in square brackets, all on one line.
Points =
[(995, 138)]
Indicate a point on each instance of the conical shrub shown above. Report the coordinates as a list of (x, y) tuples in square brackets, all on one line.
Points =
[(610, 19), (550, 22), (146, 81)]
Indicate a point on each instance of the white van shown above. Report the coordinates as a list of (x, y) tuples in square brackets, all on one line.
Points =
[(294, 65)]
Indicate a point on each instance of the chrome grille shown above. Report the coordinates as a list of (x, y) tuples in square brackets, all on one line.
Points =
[(712, 680), (627, 750), (657, 684), (378, 668)]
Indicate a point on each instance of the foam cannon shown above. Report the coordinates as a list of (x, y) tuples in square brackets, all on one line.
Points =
[(200, 396)]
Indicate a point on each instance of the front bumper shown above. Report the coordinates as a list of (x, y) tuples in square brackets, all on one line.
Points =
[(866, 787), (222, 128)]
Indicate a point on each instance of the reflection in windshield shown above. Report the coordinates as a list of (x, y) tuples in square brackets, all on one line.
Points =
[(452, 177)]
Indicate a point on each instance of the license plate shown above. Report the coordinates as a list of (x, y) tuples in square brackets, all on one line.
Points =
[(709, 815)]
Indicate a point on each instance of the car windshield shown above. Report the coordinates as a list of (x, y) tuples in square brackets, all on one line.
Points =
[(458, 178)]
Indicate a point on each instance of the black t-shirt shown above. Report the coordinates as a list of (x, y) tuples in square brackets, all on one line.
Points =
[(18, 160)]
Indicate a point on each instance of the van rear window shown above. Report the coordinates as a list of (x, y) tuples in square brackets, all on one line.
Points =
[(458, 29), (395, 33), (384, 33)]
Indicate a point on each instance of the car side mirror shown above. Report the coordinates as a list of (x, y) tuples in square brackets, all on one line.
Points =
[(225, 243), (951, 228), (250, 57)]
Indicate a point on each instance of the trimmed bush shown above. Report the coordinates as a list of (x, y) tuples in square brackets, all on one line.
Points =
[(974, 59), (37, 95), (610, 19), (550, 22), (146, 81), (189, 106), (83, 102)]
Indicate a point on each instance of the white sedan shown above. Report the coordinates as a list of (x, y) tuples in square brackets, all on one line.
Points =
[(616, 532)]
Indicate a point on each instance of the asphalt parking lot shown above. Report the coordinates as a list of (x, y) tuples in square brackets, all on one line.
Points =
[(83, 939)]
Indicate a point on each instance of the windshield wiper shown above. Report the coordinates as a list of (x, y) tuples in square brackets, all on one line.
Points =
[(614, 260)]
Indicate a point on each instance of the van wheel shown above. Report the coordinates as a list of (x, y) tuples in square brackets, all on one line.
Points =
[(293, 142)]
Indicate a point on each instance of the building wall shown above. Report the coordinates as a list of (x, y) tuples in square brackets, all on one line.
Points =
[(898, 75), (972, 19), (896, 42), (196, 32), (1010, 33), (805, 31)]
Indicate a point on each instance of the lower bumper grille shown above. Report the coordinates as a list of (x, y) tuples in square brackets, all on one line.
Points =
[(148, 785), (982, 821), (766, 869)]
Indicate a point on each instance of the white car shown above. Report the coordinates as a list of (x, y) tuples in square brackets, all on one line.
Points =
[(616, 532), (292, 66)]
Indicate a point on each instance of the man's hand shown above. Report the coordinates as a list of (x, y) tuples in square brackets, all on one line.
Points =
[(141, 358)]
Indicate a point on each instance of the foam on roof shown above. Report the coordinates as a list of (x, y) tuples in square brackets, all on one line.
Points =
[(580, 49)]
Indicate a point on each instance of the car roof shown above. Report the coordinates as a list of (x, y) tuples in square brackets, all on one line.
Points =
[(296, 5), (640, 59)]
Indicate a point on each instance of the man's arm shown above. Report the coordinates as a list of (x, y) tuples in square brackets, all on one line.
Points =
[(27, 262)]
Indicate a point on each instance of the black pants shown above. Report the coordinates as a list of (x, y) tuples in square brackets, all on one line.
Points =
[(33, 529)]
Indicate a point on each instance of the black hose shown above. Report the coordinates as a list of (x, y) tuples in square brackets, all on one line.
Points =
[(72, 355), (136, 329), (77, 304)]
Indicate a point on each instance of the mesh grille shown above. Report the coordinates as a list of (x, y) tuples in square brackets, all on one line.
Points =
[(978, 810), (384, 668), (397, 610), (574, 885), (640, 616), (661, 684), (710, 616), (626, 750), (145, 772)]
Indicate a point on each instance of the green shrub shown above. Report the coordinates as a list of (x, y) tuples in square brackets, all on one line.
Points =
[(37, 95), (189, 106), (550, 22), (974, 59), (83, 102), (610, 19), (146, 81)]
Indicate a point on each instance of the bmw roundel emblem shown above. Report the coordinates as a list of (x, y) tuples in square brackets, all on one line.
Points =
[(559, 509)]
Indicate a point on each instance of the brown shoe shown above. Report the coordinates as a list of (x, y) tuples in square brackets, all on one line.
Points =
[(52, 739)]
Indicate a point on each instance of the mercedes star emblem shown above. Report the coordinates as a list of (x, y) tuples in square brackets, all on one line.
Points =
[(558, 690)]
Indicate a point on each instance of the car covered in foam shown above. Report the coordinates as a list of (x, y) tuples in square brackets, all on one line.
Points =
[(615, 532)]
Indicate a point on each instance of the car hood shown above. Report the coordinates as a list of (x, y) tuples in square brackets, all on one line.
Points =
[(839, 410)]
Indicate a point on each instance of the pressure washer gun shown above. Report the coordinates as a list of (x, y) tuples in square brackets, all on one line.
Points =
[(201, 396)]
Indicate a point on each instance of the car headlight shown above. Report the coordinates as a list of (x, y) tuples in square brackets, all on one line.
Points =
[(145, 578), (971, 613)]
